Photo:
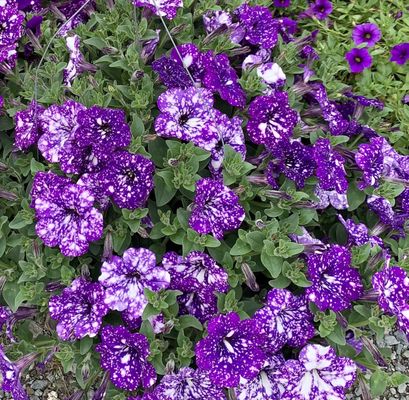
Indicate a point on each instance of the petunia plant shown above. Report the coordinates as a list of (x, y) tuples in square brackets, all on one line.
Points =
[(203, 200)]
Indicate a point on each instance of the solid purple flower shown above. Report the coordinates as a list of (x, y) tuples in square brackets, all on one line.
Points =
[(265, 385), (34, 24), (65, 214), (164, 8), (271, 119), (285, 320), (28, 129), (213, 20), (232, 350), (58, 124), (79, 309), (400, 53), (125, 356), (317, 374), (128, 179), (358, 234), (358, 59), (330, 167), (259, 26), (335, 284), (287, 28), (76, 64), (366, 33), (187, 115), (282, 3), (126, 278), (220, 77), (319, 9), (216, 209), (105, 129), (171, 73)]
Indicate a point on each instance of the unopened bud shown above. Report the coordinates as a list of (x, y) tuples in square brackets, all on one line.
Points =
[(173, 162), (85, 372), (365, 394), (250, 278), (4, 194), (143, 232), (260, 224), (109, 50), (137, 75), (178, 29), (36, 249), (376, 354), (85, 271), (168, 326), (170, 367), (108, 246)]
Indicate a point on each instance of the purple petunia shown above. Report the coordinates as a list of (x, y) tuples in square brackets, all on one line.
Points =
[(335, 284), (28, 127), (220, 77), (259, 57), (285, 320), (358, 60), (317, 374), (128, 179), (79, 309), (265, 385), (126, 277), (319, 9), (213, 20), (76, 64), (216, 209), (282, 3), (358, 234), (232, 350), (330, 167), (365, 101), (164, 8), (58, 124), (124, 355), (172, 74), (366, 33), (11, 21), (187, 115), (191, 58), (272, 75), (370, 160), (65, 214), (327, 197), (400, 53), (257, 25), (149, 46), (271, 119), (187, 384)]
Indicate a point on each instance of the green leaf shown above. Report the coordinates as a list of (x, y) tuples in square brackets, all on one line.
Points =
[(397, 378), (189, 321), (85, 345), (378, 383), (240, 248), (273, 264), (163, 192)]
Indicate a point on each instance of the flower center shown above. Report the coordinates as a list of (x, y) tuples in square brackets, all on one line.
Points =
[(358, 59), (183, 119), (367, 35)]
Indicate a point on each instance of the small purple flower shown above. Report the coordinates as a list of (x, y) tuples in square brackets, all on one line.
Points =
[(317, 374), (265, 385), (128, 179), (188, 384), (149, 46), (294, 160), (58, 124), (271, 119), (213, 20), (105, 129), (358, 59), (258, 25), (28, 128), (282, 3), (319, 9), (335, 284), (76, 64), (220, 77), (65, 214), (272, 74), (172, 74), (124, 355), (400, 53), (366, 33), (126, 278), (164, 8), (216, 209), (285, 320), (358, 233), (383, 208), (330, 167), (187, 115), (369, 159), (232, 350), (79, 309)]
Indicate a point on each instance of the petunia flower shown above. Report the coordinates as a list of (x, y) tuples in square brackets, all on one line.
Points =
[(79, 309), (67, 10), (285, 320), (330, 167), (271, 74), (365, 101), (76, 64), (65, 214), (366, 33), (134, 323), (358, 234), (187, 115), (317, 374), (265, 385), (128, 179), (149, 46), (216, 209), (11, 21), (335, 284), (310, 243), (188, 384), (171, 73), (28, 127), (282, 3), (58, 124), (9, 319), (164, 8), (319, 9), (400, 53), (358, 59), (331, 197), (221, 78), (213, 20), (259, 57), (271, 119), (126, 277), (125, 356), (231, 351)]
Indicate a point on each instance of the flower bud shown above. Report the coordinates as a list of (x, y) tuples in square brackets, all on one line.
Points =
[(108, 246), (250, 278)]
